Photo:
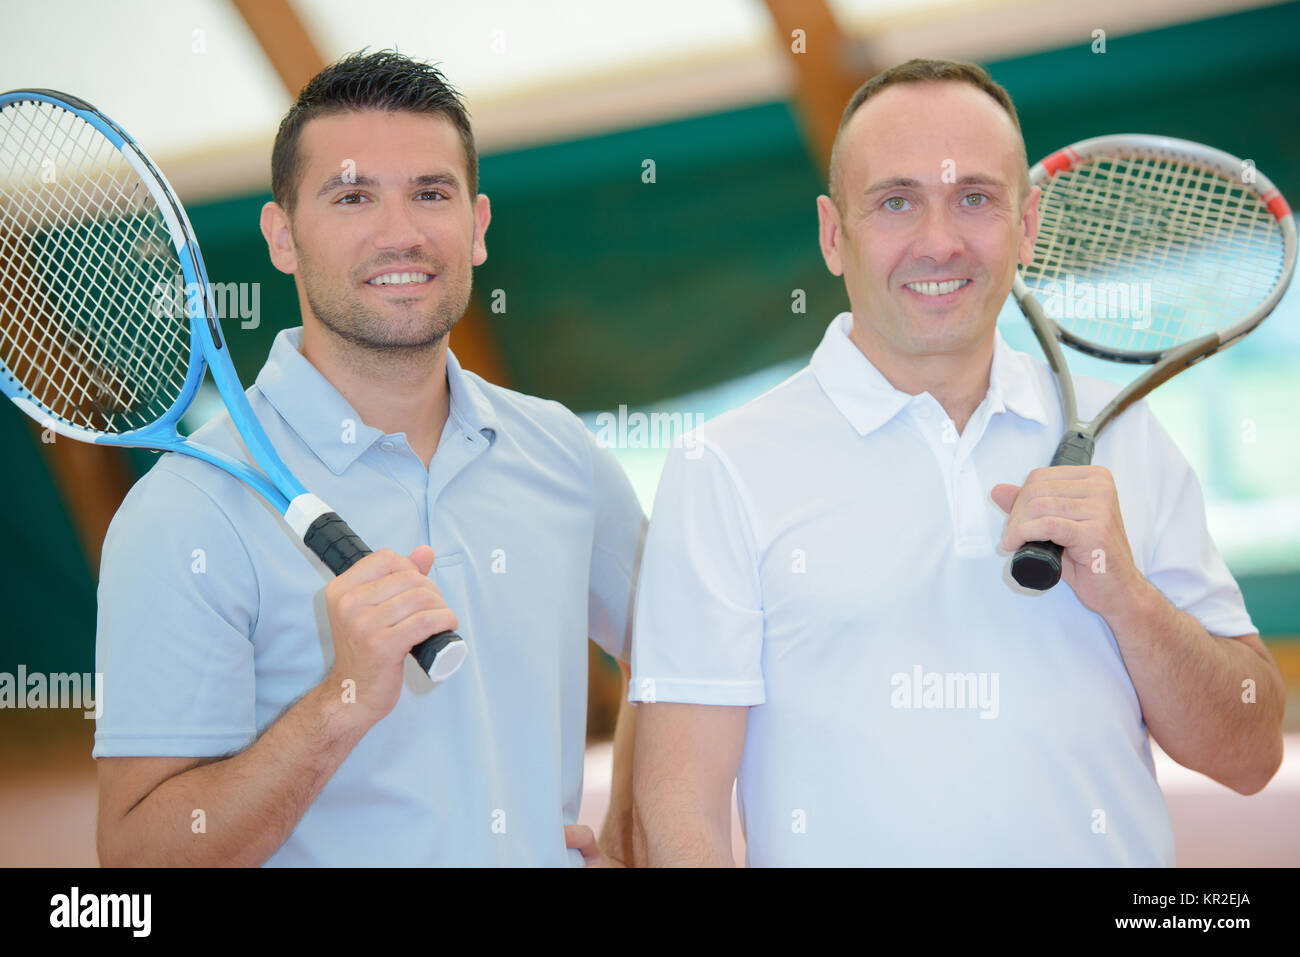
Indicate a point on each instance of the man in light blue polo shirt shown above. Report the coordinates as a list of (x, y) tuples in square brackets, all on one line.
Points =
[(824, 615), (257, 711)]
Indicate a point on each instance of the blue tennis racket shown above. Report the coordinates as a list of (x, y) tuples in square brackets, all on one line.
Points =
[(93, 341)]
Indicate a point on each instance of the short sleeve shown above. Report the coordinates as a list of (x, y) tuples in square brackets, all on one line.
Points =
[(698, 637), (616, 544), (177, 606), (1181, 558)]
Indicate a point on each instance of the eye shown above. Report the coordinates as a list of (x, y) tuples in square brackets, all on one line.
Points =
[(431, 194), (980, 198), (347, 199), (895, 203)]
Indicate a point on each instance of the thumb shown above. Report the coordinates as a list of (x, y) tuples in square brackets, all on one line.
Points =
[(1004, 496), (581, 837), (423, 559)]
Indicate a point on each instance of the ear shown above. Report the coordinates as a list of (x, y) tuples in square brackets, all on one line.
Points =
[(1029, 225), (831, 235), (279, 238), (482, 216)]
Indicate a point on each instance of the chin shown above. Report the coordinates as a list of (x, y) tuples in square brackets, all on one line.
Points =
[(950, 337)]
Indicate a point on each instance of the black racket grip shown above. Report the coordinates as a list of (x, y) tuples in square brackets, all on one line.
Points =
[(1037, 565), (340, 548)]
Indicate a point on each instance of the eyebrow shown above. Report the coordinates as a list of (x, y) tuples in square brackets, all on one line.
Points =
[(905, 182), (439, 178)]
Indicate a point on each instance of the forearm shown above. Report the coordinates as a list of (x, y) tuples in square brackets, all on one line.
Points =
[(1195, 696), (671, 832), (616, 834), (250, 802), (686, 761)]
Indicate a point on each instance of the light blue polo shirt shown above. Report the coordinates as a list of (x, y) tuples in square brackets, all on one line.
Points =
[(212, 618)]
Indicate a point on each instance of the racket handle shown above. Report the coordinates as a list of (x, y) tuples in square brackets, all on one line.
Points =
[(334, 543), (1037, 565)]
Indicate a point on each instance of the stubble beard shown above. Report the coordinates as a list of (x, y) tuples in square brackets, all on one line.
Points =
[(396, 330)]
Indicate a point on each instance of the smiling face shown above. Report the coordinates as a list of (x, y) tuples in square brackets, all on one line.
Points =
[(932, 223), (384, 232)]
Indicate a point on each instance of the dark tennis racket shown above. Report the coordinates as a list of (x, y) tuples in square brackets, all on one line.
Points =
[(1187, 248), (95, 344)]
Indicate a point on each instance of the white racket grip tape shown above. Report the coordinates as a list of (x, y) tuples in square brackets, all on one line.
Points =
[(303, 511)]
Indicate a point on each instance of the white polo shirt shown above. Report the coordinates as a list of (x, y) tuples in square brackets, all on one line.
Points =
[(828, 555)]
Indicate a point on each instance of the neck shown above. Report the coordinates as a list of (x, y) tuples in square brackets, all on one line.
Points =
[(959, 381), (400, 390)]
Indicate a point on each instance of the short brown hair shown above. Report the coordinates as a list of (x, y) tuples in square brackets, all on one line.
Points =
[(925, 71), (384, 80)]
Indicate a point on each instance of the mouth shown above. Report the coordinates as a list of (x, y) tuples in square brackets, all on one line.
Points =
[(938, 290), (400, 280)]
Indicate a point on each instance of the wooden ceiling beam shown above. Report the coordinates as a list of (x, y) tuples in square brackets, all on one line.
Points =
[(829, 66), (285, 41)]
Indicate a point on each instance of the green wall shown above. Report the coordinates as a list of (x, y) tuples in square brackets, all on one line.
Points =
[(619, 291)]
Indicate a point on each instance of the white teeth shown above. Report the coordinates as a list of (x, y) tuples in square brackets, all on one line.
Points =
[(399, 278), (937, 288)]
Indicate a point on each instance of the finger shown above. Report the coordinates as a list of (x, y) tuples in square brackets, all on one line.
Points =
[(1065, 473), (1061, 488), (1004, 496), (422, 558), (1050, 528), (414, 629), (581, 837), (410, 602), (1075, 509), (394, 583), (372, 567)]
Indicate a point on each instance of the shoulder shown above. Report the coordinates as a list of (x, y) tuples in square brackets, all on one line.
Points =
[(534, 425), (737, 460), (1133, 428), (767, 423), (181, 495), (177, 504), (1135, 434), (171, 524)]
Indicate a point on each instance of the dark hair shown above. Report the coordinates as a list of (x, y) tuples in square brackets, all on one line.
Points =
[(385, 80), (926, 71)]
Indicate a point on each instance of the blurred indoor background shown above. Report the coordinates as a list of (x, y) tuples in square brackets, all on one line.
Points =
[(671, 296)]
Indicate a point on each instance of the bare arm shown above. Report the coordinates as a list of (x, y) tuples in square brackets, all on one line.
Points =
[(685, 765), (149, 808), (616, 834), (1194, 693), (250, 802)]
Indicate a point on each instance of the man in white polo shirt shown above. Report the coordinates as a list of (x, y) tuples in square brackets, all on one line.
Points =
[(825, 615)]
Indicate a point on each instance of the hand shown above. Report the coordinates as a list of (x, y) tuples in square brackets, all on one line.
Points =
[(1076, 507), (379, 609), (581, 837)]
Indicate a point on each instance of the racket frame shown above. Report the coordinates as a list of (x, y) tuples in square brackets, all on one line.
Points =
[(1037, 565), (311, 519), (275, 482)]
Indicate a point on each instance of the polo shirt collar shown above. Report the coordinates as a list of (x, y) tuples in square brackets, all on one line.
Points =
[(868, 400), (1015, 384), (317, 411)]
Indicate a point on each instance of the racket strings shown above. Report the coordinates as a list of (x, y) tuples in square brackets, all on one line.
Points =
[(104, 379), (100, 382), (92, 323), (1142, 253)]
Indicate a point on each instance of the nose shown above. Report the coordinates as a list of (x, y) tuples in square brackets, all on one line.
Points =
[(397, 227), (938, 236)]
